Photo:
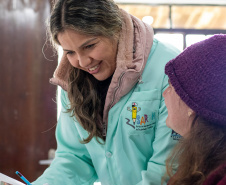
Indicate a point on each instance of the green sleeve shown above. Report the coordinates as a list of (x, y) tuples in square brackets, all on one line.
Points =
[(72, 163)]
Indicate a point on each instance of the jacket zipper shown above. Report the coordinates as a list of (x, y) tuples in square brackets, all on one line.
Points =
[(109, 107)]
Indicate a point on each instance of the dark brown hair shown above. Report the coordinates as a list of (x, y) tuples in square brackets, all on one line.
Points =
[(93, 18), (197, 154)]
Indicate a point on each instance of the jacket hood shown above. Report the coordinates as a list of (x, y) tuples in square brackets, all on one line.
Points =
[(135, 43)]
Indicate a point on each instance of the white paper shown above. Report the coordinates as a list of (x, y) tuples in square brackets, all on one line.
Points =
[(9, 180)]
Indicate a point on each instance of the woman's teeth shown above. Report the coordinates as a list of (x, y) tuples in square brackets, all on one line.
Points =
[(93, 68)]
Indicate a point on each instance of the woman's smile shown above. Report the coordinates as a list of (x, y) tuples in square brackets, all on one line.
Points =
[(95, 69)]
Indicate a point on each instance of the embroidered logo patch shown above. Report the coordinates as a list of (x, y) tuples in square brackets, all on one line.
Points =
[(175, 135), (138, 120)]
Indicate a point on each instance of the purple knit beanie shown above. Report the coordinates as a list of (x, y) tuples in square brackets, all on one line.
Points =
[(198, 75)]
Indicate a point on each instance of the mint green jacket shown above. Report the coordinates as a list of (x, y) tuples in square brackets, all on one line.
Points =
[(137, 142)]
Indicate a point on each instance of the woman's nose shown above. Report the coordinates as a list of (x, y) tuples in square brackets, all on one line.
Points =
[(164, 92), (84, 61), (167, 90), (79, 60)]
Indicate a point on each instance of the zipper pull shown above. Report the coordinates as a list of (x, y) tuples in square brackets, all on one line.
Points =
[(104, 131)]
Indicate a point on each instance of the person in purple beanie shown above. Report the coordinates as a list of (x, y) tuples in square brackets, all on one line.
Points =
[(196, 103)]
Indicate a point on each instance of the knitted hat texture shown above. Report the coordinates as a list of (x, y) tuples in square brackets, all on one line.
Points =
[(198, 75)]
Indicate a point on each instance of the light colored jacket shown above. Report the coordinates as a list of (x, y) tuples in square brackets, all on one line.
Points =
[(137, 140)]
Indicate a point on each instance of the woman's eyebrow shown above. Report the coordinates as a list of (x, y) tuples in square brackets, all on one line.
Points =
[(87, 42), (67, 50)]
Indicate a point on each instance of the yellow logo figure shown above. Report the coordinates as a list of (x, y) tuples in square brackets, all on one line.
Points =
[(134, 111)]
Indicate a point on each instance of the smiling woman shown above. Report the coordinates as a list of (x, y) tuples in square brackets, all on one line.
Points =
[(111, 126)]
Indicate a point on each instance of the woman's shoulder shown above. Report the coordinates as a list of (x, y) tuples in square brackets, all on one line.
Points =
[(217, 177), (160, 54), (64, 100), (164, 49)]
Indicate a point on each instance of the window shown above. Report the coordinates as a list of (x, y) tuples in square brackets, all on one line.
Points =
[(181, 25)]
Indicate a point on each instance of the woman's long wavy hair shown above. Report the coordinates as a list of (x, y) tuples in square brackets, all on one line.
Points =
[(91, 18), (198, 154)]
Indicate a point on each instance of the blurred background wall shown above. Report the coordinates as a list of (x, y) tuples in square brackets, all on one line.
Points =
[(27, 107)]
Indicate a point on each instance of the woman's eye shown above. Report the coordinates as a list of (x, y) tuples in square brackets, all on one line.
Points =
[(89, 46), (70, 52)]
